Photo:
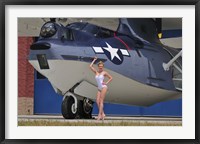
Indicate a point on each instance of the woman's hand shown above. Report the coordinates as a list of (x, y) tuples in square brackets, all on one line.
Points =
[(95, 58), (91, 65)]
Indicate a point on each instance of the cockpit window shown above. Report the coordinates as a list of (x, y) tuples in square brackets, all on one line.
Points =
[(77, 25), (91, 29), (98, 31), (105, 33), (68, 35)]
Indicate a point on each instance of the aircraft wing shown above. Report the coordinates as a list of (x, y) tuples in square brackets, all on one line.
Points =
[(86, 89)]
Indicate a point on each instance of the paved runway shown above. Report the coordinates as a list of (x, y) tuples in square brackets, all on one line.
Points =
[(108, 119)]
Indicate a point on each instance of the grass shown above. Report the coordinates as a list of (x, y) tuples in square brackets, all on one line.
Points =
[(98, 123)]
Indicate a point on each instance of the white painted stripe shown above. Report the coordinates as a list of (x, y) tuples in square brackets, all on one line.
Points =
[(98, 49), (124, 52)]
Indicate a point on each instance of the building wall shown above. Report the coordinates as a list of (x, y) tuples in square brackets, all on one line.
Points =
[(25, 77)]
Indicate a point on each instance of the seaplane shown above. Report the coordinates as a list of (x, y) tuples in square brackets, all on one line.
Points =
[(144, 71)]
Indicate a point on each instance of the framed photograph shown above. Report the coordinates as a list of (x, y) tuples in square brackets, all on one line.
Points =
[(49, 53)]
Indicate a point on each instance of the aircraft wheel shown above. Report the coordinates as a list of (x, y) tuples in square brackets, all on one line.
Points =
[(83, 111), (87, 108), (68, 108), (80, 109)]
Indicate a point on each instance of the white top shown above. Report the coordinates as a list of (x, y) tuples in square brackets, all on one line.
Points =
[(99, 78)]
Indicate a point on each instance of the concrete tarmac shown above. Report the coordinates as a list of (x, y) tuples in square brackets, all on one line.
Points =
[(108, 119)]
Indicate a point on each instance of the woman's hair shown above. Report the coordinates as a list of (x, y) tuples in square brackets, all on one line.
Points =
[(100, 62)]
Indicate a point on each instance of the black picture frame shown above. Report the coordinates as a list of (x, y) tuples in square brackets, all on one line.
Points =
[(4, 3)]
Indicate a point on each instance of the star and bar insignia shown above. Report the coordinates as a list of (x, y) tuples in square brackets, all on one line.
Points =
[(114, 54)]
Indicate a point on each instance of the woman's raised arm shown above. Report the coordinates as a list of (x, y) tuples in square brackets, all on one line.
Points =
[(91, 65)]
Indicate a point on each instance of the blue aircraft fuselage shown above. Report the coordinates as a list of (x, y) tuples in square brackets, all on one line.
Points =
[(129, 56)]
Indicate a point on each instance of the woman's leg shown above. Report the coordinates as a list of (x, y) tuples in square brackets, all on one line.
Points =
[(98, 98), (103, 94), (98, 102)]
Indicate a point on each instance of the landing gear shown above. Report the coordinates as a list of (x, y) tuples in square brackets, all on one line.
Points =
[(68, 108), (87, 108), (83, 110)]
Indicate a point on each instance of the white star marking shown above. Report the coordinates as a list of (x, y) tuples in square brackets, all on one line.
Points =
[(113, 51)]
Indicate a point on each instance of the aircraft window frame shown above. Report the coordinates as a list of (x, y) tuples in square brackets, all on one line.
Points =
[(95, 30), (105, 33), (42, 60), (92, 29), (77, 25), (70, 36), (52, 30)]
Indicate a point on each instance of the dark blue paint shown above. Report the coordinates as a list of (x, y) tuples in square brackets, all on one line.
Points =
[(46, 101), (169, 108), (116, 109), (172, 33)]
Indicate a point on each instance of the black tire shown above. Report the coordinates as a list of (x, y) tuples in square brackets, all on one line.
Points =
[(87, 112), (67, 108), (87, 115), (81, 114)]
